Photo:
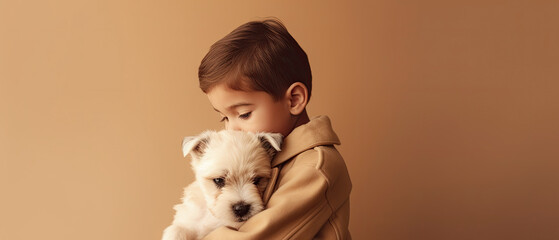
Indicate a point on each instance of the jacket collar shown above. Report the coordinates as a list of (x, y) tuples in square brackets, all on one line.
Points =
[(317, 132)]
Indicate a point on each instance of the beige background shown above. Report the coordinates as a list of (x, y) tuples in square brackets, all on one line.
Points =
[(448, 113)]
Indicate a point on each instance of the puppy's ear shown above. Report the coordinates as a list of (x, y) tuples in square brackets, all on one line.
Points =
[(195, 145), (271, 142)]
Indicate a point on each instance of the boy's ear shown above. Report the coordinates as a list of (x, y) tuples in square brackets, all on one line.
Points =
[(298, 96), (271, 142), (196, 145)]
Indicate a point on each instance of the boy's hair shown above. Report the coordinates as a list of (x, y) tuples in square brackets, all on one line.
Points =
[(257, 56)]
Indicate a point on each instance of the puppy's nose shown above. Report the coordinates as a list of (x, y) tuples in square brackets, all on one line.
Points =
[(241, 209)]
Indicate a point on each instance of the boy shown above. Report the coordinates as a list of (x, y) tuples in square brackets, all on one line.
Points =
[(258, 79)]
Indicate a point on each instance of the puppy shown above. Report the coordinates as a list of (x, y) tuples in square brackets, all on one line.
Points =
[(232, 169)]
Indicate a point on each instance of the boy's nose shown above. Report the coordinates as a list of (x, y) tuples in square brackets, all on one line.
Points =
[(232, 126)]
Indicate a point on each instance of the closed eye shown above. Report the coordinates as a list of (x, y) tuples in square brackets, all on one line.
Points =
[(245, 115)]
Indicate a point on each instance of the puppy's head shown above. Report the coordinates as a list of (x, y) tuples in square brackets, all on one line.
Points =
[(233, 169)]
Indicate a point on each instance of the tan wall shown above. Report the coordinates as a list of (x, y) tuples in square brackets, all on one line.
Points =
[(448, 113)]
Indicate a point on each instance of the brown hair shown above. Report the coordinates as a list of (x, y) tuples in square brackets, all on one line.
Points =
[(257, 56)]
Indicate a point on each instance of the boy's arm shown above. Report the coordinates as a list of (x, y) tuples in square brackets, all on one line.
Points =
[(298, 209)]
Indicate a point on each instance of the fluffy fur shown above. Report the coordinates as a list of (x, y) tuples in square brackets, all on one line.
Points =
[(232, 169)]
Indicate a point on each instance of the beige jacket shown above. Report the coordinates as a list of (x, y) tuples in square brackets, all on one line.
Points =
[(308, 196)]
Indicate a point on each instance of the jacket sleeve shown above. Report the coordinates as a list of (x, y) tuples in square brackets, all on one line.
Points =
[(296, 210)]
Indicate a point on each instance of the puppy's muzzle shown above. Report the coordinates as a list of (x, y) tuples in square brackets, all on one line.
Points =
[(241, 209)]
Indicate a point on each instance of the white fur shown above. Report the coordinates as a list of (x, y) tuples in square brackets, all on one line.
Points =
[(237, 157)]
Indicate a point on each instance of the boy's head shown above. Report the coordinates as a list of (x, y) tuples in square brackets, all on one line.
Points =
[(258, 78)]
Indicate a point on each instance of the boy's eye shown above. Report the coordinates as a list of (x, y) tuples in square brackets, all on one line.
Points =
[(245, 116), (223, 119)]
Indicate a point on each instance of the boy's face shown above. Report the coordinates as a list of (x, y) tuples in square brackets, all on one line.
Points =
[(255, 111)]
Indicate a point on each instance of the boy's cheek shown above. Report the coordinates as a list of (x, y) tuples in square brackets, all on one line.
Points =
[(254, 127)]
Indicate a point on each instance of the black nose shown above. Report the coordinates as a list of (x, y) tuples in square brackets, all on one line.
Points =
[(241, 209)]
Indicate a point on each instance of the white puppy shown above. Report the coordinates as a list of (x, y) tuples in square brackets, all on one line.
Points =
[(232, 169)]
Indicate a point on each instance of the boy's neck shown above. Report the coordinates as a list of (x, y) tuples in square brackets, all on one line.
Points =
[(300, 119)]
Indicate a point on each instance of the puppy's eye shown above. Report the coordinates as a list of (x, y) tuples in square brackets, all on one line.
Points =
[(256, 180), (219, 182)]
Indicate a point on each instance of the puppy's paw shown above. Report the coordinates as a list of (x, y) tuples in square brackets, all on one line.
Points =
[(175, 232)]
